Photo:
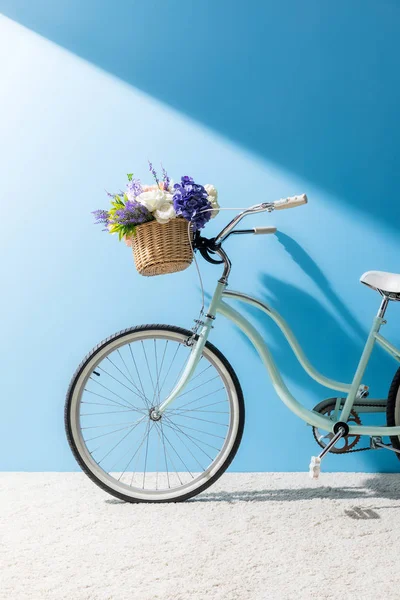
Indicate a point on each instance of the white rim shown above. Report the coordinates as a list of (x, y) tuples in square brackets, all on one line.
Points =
[(134, 491)]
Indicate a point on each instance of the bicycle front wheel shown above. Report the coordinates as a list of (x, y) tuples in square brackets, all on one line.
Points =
[(110, 422)]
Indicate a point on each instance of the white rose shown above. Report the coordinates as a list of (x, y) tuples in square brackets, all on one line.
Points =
[(165, 213), (154, 199), (212, 198)]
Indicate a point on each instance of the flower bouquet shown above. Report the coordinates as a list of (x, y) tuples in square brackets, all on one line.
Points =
[(158, 220)]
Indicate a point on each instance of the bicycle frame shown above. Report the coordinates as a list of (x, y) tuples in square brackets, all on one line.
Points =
[(218, 305)]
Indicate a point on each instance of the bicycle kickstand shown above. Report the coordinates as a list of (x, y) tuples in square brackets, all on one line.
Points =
[(315, 464)]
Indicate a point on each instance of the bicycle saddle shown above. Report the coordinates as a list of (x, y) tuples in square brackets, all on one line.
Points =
[(385, 283)]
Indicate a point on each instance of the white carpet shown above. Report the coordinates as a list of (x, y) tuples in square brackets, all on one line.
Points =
[(251, 536)]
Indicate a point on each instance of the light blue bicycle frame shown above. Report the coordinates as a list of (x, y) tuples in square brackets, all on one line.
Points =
[(311, 417)]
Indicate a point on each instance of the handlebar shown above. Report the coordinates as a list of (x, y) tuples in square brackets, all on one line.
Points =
[(264, 230), (290, 202)]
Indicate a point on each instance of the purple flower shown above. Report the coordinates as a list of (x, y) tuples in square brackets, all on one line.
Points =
[(186, 180), (153, 172), (101, 217), (134, 187), (166, 178), (191, 201), (133, 213)]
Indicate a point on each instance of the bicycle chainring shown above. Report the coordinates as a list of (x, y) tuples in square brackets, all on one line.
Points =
[(346, 444)]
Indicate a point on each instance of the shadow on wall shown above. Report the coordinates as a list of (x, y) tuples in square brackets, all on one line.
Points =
[(318, 328), (310, 268), (310, 86)]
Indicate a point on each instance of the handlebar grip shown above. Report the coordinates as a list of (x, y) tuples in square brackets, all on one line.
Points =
[(291, 202), (264, 230)]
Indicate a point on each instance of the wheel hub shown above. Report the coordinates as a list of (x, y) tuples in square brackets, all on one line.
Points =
[(154, 414)]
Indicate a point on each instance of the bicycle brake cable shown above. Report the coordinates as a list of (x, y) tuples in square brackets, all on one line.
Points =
[(201, 313)]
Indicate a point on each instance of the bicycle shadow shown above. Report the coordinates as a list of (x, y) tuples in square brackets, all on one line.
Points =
[(334, 351), (380, 486), (330, 335), (314, 272), (376, 487)]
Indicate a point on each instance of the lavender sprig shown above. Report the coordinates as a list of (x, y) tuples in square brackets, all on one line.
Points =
[(133, 213), (101, 217), (166, 178), (153, 172)]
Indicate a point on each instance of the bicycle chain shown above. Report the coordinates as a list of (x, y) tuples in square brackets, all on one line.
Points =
[(355, 449)]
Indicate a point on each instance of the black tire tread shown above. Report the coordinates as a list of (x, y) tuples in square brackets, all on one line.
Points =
[(83, 364), (391, 409)]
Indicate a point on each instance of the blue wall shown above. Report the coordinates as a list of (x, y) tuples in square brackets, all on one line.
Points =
[(264, 100)]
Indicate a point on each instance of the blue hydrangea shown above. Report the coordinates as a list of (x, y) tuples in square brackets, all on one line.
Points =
[(189, 200)]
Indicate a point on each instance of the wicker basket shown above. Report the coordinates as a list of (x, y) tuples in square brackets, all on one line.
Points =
[(160, 249)]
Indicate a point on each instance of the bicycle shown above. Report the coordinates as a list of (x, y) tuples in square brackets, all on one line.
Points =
[(155, 413)]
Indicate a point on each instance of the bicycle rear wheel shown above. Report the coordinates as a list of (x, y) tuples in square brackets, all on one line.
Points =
[(110, 423), (393, 409)]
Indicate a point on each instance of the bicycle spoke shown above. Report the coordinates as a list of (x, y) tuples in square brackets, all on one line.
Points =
[(172, 410), (115, 431), (161, 367), (192, 439), (197, 387), (221, 437), (119, 459), (156, 369), (180, 373), (169, 456), (109, 425), (121, 440), (165, 452), (118, 381), (157, 459), (139, 454), (138, 374), (147, 451), (204, 405), (106, 404), (190, 452), (129, 450), (204, 420), (169, 369), (129, 379), (111, 392), (108, 412), (214, 412), (178, 455), (147, 363)]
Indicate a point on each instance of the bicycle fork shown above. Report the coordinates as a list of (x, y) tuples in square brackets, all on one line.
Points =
[(197, 348)]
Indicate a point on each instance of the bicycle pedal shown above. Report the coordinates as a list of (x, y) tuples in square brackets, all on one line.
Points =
[(315, 467)]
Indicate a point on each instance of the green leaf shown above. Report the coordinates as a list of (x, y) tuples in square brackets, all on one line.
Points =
[(129, 176)]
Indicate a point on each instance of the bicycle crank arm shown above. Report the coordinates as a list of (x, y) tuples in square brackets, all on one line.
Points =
[(315, 464)]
